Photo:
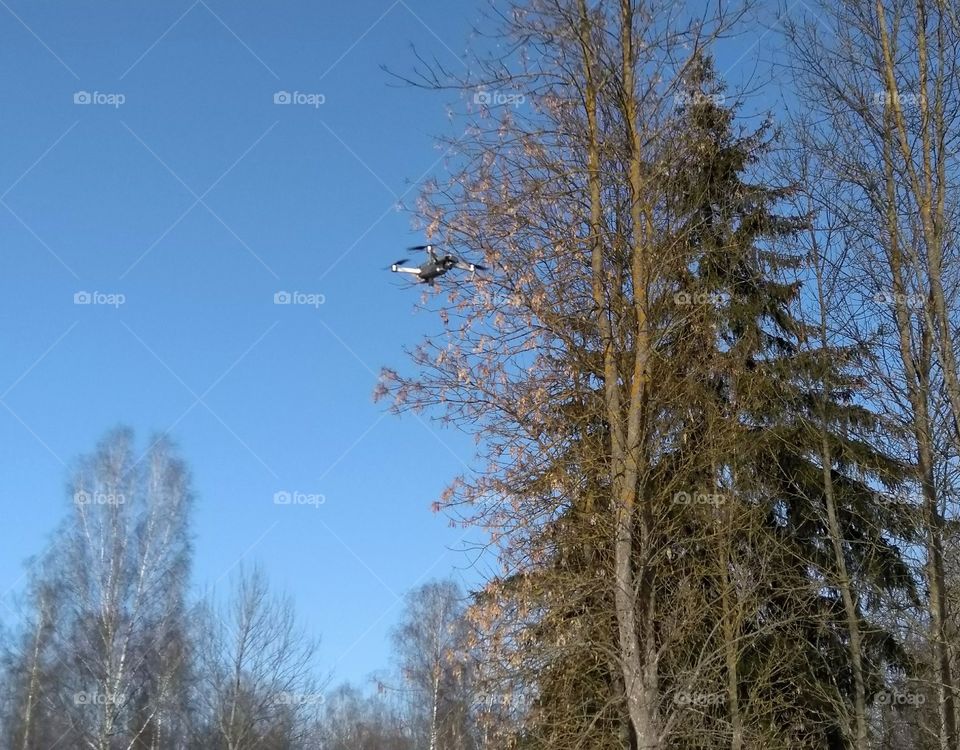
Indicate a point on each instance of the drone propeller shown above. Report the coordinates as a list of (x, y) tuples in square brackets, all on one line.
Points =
[(419, 247), (463, 265), (393, 266)]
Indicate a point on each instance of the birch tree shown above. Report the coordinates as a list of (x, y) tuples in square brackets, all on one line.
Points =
[(431, 647), (106, 659)]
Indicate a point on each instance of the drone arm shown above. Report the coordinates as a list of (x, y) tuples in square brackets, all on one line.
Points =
[(404, 269)]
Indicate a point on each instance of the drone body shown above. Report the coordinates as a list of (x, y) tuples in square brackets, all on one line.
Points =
[(436, 265)]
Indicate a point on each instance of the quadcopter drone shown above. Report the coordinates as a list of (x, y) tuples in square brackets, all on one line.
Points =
[(436, 265)]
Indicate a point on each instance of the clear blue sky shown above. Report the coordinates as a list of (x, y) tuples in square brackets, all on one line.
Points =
[(104, 198), (198, 198)]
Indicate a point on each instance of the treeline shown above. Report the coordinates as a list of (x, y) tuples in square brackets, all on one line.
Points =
[(712, 373), (109, 651)]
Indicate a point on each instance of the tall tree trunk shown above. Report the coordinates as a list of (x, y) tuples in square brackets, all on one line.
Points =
[(638, 648), (34, 684), (843, 582), (729, 632), (640, 704), (916, 367)]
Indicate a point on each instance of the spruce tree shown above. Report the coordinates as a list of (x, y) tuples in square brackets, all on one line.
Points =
[(757, 392)]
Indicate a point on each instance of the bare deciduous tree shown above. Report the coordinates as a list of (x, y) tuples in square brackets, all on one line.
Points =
[(256, 682)]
